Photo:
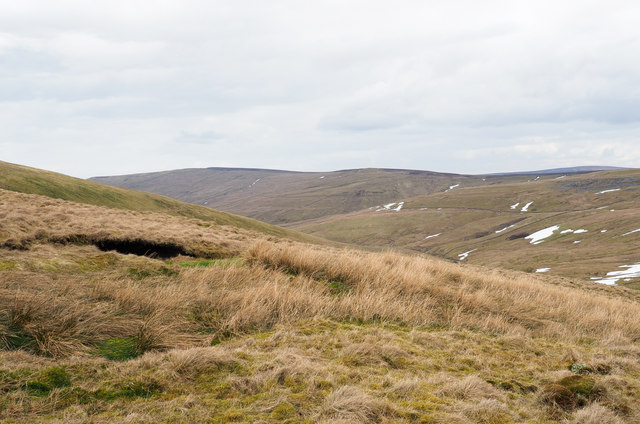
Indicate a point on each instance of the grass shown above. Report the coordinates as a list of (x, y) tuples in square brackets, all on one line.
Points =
[(235, 261), (282, 331), (480, 218), (35, 181)]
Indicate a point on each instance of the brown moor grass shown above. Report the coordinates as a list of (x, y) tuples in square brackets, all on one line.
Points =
[(327, 334)]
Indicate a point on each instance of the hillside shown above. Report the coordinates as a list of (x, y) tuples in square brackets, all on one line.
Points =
[(457, 217), (113, 315), (284, 197), (36, 181), (591, 221), (287, 198)]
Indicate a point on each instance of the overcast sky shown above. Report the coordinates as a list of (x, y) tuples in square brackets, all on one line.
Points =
[(104, 88)]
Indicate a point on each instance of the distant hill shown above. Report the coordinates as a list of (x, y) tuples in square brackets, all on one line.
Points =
[(286, 197), (592, 221), (571, 170), (36, 181)]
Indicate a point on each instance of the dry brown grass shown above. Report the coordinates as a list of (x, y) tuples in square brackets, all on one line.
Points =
[(424, 291), (350, 404), (301, 332), (29, 219), (469, 388), (596, 414)]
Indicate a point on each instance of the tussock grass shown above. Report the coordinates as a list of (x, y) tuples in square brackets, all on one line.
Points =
[(350, 404), (290, 332), (422, 291)]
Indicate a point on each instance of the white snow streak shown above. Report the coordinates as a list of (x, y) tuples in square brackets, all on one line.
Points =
[(632, 271), (388, 207), (254, 183), (525, 208), (631, 232), (514, 206), (432, 235), (539, 236), (608, 191), (505, 228), (464, 255), (542, 269)]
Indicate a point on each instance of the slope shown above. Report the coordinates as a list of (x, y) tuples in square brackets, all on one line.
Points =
[(237, 326), (284, 197), (35, 181), (591, 219)]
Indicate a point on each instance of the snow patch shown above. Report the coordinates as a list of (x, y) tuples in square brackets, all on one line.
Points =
[(566, 231), (514, 206), (603, 231), (505, 228), (525, 208), (608, 191), (464, 255), (322, 177), (254, 183), (562, 176), (389, 207), (631, 271), (432, 235), (631, 232), (452, 187), (539, 236), (577, 241), (542, 269), (580, 231)]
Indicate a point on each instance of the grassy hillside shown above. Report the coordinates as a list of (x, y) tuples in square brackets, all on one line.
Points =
[(481, 219), (282, 197), (35, 181), (112, 315)]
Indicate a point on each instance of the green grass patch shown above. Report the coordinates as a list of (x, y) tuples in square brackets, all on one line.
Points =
[(118, 348), (7, 265), (52, 378), (13, 336)]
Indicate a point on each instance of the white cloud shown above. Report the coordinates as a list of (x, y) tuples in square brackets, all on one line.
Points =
[(456, 86)]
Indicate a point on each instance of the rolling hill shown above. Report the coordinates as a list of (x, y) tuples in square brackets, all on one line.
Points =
[(591, 221), (118, 314), (36, 181), (478, 219), (284, 197)]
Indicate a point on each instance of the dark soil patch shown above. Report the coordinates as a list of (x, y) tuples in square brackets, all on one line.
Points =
[(141, 247)]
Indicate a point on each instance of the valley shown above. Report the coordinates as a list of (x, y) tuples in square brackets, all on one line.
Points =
[(484, 220), (115, 313)]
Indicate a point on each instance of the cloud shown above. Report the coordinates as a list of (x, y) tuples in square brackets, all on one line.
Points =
[(455, 86)]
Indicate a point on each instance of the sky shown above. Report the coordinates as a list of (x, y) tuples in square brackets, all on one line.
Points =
[(118, 87)]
